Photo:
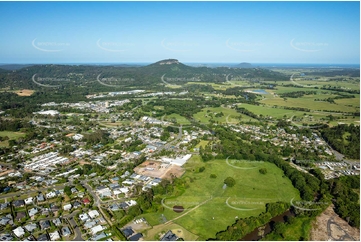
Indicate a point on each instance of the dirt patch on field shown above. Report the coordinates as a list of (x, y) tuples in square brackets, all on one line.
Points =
[(25, 92), (158, 169), (173, 171), (329, 226)]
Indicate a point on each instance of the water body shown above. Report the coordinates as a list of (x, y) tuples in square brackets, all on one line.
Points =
[(260, 91), (253, 236)]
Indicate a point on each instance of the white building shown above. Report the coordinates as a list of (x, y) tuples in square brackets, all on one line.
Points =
[(54, 236), (67, 207), (96, 229), (19, 232), (28, 200), (93, 214)]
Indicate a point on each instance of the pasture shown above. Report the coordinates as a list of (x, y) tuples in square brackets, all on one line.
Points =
[(210, 207), (229, 116)]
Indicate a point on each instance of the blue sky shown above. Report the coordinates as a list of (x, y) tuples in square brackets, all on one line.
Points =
[(228, 32)]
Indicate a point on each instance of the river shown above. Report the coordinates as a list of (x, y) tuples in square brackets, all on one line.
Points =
[(253, 236)]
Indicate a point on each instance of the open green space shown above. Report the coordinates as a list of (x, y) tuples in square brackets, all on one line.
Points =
[(178, 118), (11, 135), (210, 207), (229, 115), (308, 101)]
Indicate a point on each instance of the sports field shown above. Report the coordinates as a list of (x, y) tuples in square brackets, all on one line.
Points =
[(208, 206)]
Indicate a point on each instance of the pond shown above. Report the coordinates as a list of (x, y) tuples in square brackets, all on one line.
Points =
[(260, 91)]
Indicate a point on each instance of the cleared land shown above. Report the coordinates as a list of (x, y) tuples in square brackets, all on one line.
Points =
[(25, 92), (210, 207), (158, 169), (329, 226)]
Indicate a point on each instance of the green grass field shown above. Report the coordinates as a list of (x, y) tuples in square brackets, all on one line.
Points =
[(308, 101), (11, 135), (205, 117), (180, 119), (218, 207)]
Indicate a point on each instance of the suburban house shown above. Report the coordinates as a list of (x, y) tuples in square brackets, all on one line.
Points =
[(50, 195), (4, 206), (32, 212), (65, 231), (96, 229), (20, 216), (89, 224), (76, 204), (45, 224), (40, 198), (86, 201), (93, 213), (100, 236), (169, 236), (43, 237), (136, 237), (128, 232), (28, 200), (57, 222), (54, 235), (67, 207), (19, 232), (6, 237), (83, 217), (19, 203), (31, 227)]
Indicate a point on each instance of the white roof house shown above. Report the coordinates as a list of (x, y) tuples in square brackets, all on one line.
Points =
[(67, 207), (50, 194), (83, 217), (179, 161), (30, 227), (93, 213), (78, 137), (33, 211), (54, 236), (131, 203), (19, 231), (28, 200), (96, 229)]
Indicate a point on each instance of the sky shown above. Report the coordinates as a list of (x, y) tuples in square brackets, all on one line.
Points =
[(200, 32)]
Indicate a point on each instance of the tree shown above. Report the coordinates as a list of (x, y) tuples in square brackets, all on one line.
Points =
[(213, 176), (229, 181), (263, 170), (67, 190)]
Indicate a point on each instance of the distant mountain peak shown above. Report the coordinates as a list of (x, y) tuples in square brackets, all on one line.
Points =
[(168, 62), (244, 65)]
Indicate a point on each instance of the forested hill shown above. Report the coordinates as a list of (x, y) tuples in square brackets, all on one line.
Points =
[(135, 77), (345, 139)]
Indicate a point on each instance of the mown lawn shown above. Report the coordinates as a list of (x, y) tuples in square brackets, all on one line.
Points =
[(247, 198), (205, 117)]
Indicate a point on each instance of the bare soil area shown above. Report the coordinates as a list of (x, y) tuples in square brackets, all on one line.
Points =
[(25, 92), (158, 169), (329, 226)]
